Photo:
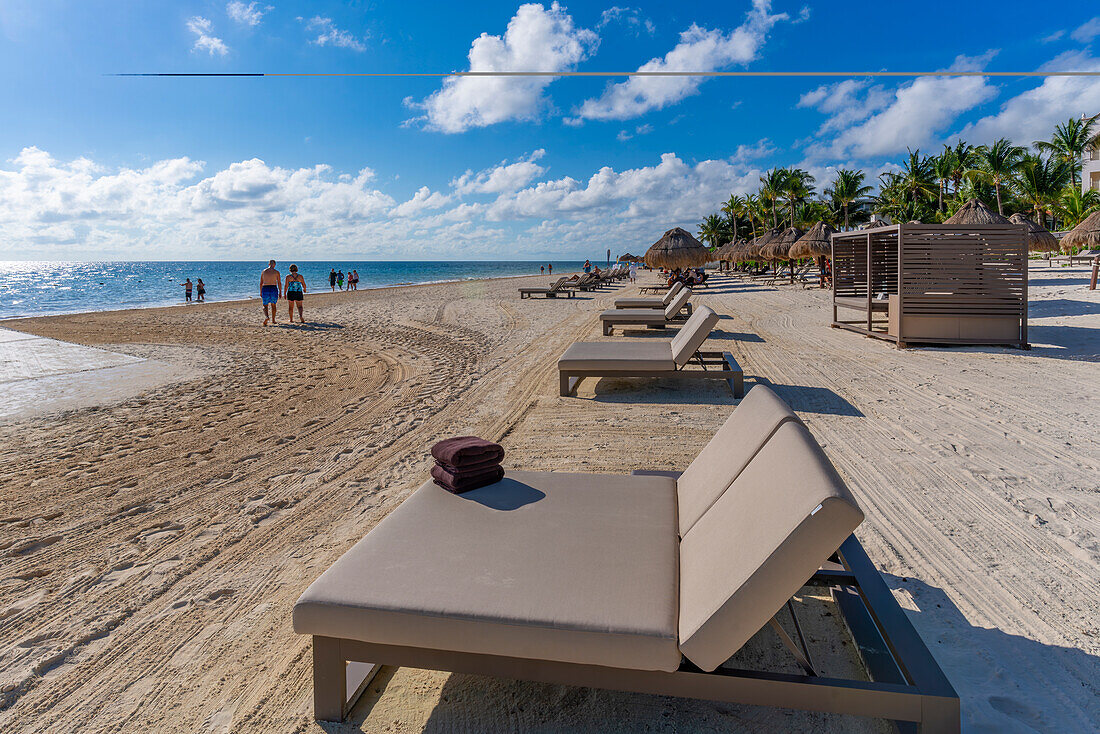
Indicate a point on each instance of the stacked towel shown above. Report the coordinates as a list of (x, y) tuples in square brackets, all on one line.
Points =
[(466, 462)]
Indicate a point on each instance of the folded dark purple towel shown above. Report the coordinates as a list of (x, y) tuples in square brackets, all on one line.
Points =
[(464, 482), (470, 468), (466, 450)]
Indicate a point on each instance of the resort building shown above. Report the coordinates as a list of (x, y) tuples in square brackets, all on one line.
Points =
[(1090, 170)]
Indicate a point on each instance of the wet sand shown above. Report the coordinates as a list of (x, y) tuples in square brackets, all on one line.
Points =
[(151, 548)]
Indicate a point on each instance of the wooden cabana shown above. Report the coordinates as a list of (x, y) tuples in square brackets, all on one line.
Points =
[(933, 283)]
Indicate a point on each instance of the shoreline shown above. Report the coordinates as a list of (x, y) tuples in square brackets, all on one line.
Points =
[(245, 301)]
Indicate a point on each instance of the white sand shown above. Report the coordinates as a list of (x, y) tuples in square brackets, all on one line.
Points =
[(151, 550)]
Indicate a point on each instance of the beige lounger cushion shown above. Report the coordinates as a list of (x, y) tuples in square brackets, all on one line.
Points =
[(615, 356), (677, 303), (692, 334), (676, 287), (759, 543), (747, 429), (634, 316), (577, 568)]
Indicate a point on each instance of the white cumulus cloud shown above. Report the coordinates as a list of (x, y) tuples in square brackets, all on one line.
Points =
[(502, 177), (537, 39), (328, 34), (423, 200), (249, 15), (1086, 32), (699, 49), (866, 121), (202, 28)]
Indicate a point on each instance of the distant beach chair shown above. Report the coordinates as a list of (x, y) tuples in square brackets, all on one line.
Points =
[(651, 318), (647, 582), (653, 302), (1086, 256), (651, 358), (559, 287)]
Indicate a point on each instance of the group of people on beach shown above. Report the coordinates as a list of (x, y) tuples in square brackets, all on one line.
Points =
[(199, 286), (337, 279), (273, 287)]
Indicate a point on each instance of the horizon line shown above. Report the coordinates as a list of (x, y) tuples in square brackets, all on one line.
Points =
[(652, 73)]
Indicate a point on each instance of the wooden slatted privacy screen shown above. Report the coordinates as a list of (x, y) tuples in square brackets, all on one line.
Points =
[(948, 284)]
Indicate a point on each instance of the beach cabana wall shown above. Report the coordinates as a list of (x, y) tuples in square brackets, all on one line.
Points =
[(933, 283)]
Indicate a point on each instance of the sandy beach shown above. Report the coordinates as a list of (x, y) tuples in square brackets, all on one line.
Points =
[(151, 548)]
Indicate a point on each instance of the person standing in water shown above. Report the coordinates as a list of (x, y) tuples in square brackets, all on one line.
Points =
[(332, 280), (340, 279), (355, 280), (187, 290), (295, 293), (551, 268), (201, 291), (271, 284)]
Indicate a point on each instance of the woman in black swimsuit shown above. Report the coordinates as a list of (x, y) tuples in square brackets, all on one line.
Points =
[(295, 291), (201, 290)]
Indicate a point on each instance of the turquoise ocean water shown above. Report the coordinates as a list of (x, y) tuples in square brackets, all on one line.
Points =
[(30, 288)]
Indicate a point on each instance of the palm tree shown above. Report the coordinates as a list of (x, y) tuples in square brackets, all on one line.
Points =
[(1070, 141), (1040, 183), (848, 189), (997, 165), (711, 230), (943, 166), (772, 185), (1075, 206), (798, 187), (917, 177), (734, 209), (965, 159), (752, 208)]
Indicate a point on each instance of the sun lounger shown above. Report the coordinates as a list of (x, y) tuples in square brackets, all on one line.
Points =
[(651, 318), (653, 302), (651, 358), (560, 287), (647, 582), (1085, 256)]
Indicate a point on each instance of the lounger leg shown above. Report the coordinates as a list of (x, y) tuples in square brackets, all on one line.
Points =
[(329, 680), (608, 328), (337, 683)]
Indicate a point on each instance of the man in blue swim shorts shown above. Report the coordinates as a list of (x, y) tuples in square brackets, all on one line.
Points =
[(271, 287)]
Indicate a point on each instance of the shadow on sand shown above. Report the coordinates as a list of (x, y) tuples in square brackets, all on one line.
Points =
[(310, 326), (1006, 683), (809, 399)]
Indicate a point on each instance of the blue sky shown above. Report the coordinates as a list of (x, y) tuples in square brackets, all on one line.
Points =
[(96, 166)]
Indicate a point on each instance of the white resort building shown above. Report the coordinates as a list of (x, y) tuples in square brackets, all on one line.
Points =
[(1090, 170)]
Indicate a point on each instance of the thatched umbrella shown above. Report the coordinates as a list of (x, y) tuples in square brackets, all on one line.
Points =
[(677, 249), (755, 249), (726, 252), (1085, 235), (1039, 239), (627, 258), (817, 242), (975, 212), (780, 246)]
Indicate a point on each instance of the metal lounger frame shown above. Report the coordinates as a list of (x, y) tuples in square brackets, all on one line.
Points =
[(906, 684), (729, 371)]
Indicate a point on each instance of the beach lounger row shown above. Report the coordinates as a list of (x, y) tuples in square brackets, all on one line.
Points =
[(654, 302), (559, 287), (651, 318), (646, 582), (679, 357)]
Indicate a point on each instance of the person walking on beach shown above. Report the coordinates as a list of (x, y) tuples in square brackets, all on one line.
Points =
[(332, 279), (542, 269), (340, 279), (633, 272), (295, 293), (187, 290), (551, 266), (271, 285), (587, 267), (355, 280), (201, 291)]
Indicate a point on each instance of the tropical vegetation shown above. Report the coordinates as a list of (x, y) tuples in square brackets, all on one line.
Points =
[(1040, 181)]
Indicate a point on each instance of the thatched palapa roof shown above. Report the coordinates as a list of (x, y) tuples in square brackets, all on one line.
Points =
[(754, 249), (780, 247), (817, 242), (677, 249), (1039, 239), (728, 252), (874, 225), (1086, 234), (975, 212)]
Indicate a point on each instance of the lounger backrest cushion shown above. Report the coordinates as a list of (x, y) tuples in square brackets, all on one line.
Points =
[(672, 292), (716, 467), (677, 303), (759, 543), (692, 334), (559, 283)]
